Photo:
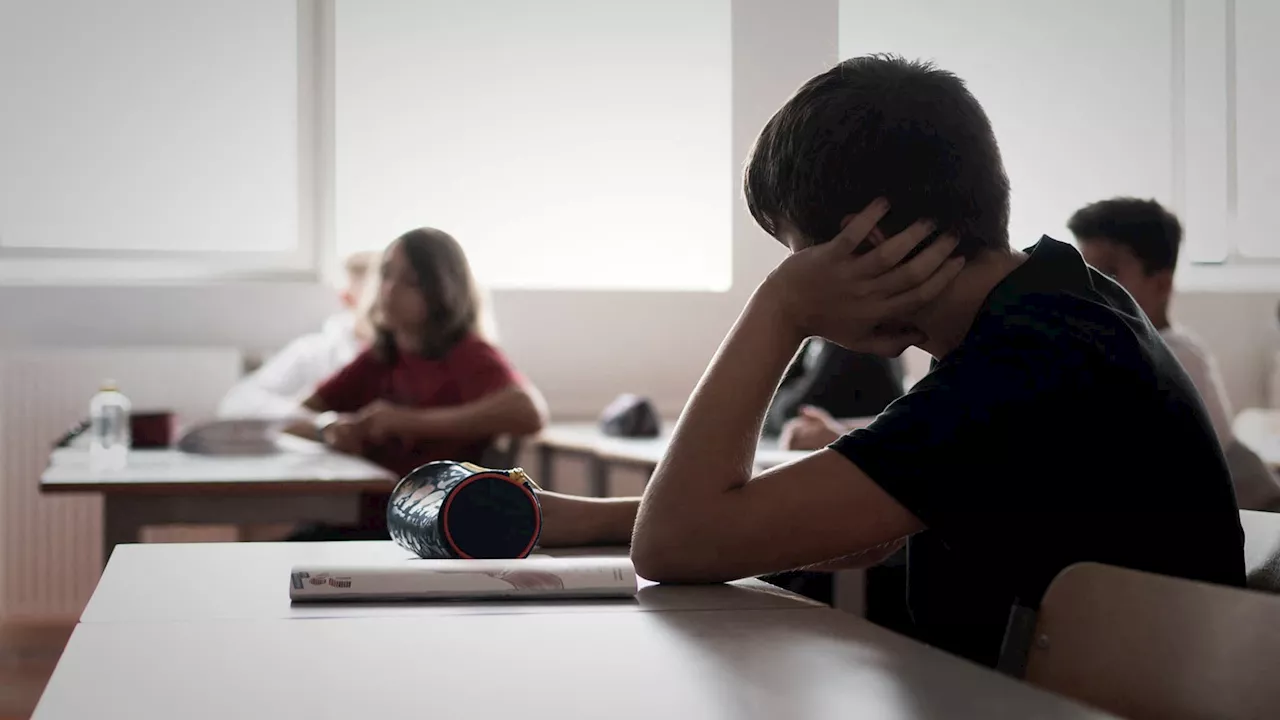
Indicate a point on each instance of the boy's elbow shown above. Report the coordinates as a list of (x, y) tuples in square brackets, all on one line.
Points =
[(653, 562), (673, 558)]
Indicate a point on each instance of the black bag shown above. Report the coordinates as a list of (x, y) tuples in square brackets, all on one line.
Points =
[(630, 416)]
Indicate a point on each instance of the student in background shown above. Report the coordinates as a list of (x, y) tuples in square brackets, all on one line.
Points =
[(292, 375), (1136, 242), (824, 382), (1055, 428), (430, 387)]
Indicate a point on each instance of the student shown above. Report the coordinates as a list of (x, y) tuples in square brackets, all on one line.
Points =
[(1136, 242), (292, 375), (429, 388), (826, 381), (1056, 427)]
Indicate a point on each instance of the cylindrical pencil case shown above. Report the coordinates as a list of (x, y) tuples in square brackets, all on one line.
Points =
[(460, 510)]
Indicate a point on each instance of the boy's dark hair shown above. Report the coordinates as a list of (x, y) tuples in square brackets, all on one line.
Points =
[(1144, 227), (448, 287), (880, 125)]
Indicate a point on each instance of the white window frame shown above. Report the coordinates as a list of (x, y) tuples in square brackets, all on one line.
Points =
[(1203, 47), (50, 266), (1205, 150)]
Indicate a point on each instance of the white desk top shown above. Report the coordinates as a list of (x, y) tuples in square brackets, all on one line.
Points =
[(740, 665), (299, 462), (586, 437), (1259, 430), (250, 581)]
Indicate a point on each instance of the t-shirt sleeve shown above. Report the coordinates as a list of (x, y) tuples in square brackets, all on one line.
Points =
[(1204, 375), (481, 369), (943, 449), (354, 386)]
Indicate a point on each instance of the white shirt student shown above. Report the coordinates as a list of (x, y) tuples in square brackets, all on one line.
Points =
[(1136, 242), (276, 388)]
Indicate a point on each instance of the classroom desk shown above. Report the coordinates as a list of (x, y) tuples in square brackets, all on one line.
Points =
[(585, 440), (304, 482), (630, 666), (250, 581), (1261, 549), (1259, 430)]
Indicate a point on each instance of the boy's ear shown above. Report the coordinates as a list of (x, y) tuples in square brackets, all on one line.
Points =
[(1164, 282)]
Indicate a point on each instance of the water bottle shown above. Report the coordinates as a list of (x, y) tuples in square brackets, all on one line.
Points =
[(109, 429)]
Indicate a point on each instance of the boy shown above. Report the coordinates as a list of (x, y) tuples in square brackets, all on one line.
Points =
[(1136, 242), (984, 464), (290, 376)]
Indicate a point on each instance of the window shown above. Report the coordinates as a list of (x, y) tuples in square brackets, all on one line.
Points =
[(1255, 117), (1080, 106), (568, 144), (150, 136)]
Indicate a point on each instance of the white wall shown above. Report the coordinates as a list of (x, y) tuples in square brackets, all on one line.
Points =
[(581, 348)]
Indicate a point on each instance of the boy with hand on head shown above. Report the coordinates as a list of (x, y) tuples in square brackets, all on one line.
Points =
[(1055, 427), (1136, 243)]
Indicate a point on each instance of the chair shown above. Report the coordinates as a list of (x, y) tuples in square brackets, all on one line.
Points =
[(1149, 646), (1261, 550)]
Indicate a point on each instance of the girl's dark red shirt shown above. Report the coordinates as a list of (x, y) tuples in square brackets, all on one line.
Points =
[(470, 370)]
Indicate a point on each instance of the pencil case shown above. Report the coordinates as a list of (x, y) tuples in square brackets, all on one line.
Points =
[(461, 510)]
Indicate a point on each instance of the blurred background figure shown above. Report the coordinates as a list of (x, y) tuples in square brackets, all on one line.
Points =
[(828, 391), (289, 377)]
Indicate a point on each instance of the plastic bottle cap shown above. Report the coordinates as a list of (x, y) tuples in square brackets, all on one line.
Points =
[(109, 386)]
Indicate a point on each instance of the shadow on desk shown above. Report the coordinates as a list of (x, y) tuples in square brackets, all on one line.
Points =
[(803, 664)]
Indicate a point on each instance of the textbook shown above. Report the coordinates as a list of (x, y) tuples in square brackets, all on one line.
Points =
[(534, 577)]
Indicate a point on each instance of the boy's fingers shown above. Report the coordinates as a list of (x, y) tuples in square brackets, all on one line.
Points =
[(858, 226), (891, 252), (916, 297), (916, 271)]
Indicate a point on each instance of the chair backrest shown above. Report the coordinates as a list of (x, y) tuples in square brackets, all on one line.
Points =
[(1261, 549), (1150, 646), (502, 453)]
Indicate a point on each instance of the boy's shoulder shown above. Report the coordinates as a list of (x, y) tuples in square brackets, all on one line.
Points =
[(1055, 304)]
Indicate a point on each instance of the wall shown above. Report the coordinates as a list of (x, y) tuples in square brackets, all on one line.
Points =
[(581, 348)]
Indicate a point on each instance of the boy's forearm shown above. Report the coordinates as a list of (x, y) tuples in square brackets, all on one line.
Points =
[(713, 447), (570, 521)]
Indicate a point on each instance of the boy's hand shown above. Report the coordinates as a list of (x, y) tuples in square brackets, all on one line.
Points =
[(863, 302), (812, 429)]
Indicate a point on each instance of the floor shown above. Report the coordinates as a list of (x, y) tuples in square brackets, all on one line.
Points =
[(28, 654)]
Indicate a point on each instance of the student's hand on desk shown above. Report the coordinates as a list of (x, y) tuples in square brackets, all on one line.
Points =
[(346, 435), (862, 302), (812, 429), (382, 420)]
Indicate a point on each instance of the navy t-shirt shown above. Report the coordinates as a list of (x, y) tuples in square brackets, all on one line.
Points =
[(1061, 430)]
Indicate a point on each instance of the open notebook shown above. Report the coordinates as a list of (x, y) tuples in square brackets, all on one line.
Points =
[(414, 579)]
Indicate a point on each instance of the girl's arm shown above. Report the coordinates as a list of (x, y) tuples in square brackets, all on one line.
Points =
[(517, 409)]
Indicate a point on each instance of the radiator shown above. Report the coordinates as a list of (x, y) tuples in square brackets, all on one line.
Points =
[(51, 554)]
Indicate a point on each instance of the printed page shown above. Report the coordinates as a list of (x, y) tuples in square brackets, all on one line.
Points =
[(416, 579)]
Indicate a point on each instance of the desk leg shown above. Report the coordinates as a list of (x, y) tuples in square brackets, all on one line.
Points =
[(599, 477), (546, 468), (850, 591), (119, 525)]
